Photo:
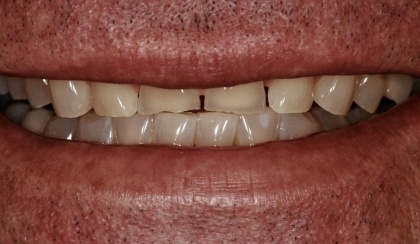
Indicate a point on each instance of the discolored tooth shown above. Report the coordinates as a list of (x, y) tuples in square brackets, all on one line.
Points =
[(61, 128), (335, 93), (154, 100), (94, 128), (38, 92), (240, 99), (16, 86), (137, 129), (175, 129), (216, 129), (291, 95), (71, 98), (357, 115), (328, 120), (17, 111), (36, 120), (257, 128), (114, 100), (294, 126), (398, 87), (3, 85), (369, 91)]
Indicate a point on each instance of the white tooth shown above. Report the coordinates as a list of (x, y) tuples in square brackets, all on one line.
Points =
[(175, 129), (335, 93), (240, 99), (94, 128), (36, 120), (216, 129), (38, 92), (357, 115), (114, 100), (3, 85), (154, 100), (16, 87), (329, 121), (70, 98), (369, 91), (137, 129), (16, 112), (294, 126), (61, 128), (291, 95), (257, 128), (398, 87)]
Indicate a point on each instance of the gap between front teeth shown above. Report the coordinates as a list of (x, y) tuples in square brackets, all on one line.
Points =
[(129, 114)]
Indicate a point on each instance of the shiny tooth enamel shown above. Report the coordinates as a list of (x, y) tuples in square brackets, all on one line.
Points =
[(357, 115), (257, 128), (61, 128), (294, 126), (154, 100), (114, 100), (369, 91), (94, 128), (137, 129), (240, 99), (328, 120), (3, 85), (216, 129), (334, 93), (16, 112), (291, 95), (38, 92), (175, 129), (16, 86), (398, 87), (70, 98), (36, 120)]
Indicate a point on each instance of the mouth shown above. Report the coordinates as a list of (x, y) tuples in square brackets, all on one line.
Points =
[(193, 178)]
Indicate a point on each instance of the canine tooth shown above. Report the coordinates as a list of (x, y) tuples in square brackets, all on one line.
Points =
[(328, 120), (38, 92), (257, 128), (175, 129), (216, 129), (94, 128), (240, 99), (114, 100), (137, 129), (291, 95), (335, 93), (61, 128), (36, 120), (369, 91), (398, 87), (71, 98), (154, 100), (294, 126), (357, 115), (3, 85), (16, 87), (17, 111)]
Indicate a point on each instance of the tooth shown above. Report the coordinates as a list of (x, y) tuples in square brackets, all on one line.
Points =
[(16, 112), (154, 100), (294, 126), (38, 92), (216, 129), (369, 91), (357, 115), (3, 85), (398, 87), (240, 99), (335, 93), (36, 120), (94, 128), (16, 87), (291, 95), (257, 128), (70, 98), (137, 129), (114, 100), (61, 128), (175, 129), (329, 121)]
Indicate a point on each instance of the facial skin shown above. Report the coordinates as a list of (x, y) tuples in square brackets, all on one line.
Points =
[(360, 183)]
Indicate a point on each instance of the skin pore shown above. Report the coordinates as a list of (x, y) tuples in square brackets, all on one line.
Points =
[(358, 184)]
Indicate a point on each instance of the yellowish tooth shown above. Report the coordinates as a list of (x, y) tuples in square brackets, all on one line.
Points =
[(114, 100), (36, 120), (3, 85), (16, 86), (175, 129), (38, 92), (94, 128), (137, 129), (398, 87), (291, 95), (294, 126), (216, 129), (369, 91), (70, 98), (240, 99)]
